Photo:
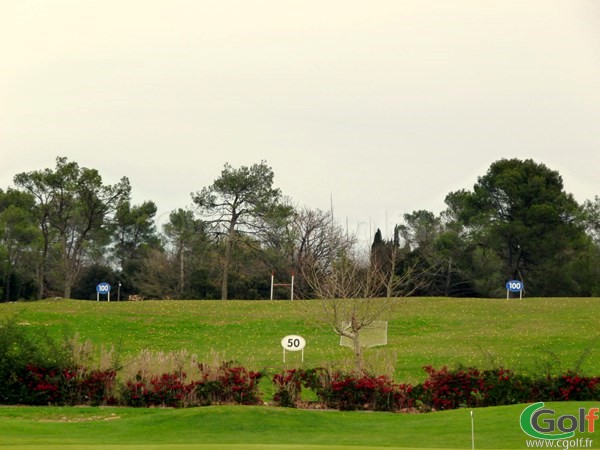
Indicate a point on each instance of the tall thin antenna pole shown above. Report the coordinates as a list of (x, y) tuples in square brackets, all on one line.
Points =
[(331, 204), (386, 224), (347, 227)]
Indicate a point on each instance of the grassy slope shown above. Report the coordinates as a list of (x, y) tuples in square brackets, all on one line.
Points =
[(524, 335), (239, 427)]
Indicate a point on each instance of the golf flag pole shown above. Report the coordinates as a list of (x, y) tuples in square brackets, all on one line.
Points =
[(472, 432)]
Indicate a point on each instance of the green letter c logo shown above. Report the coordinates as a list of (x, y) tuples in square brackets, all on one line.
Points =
[(532, 429)]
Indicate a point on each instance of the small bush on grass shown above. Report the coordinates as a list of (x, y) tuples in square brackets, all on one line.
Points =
[(165, 390), (288, 387), (238, 384), (569, 386), (450, 389), (225, 384), (352, 391), (66, 386), (343, 391)]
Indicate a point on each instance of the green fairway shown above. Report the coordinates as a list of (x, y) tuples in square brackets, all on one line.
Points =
[(238, 427), (531, 335)]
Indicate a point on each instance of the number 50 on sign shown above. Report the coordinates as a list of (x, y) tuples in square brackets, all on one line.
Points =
[(293, 343)]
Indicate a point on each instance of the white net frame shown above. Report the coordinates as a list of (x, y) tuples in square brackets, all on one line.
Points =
[(372, 335)]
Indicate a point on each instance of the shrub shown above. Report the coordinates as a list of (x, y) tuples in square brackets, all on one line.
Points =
[(569, 386), (41, 385), (164, 390), (226, 384), (505, 387), (445, 389), (343, 391), (288, 387), (26, 360), (575, 387), (238, 385)]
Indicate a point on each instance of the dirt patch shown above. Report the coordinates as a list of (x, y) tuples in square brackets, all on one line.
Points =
[(80, 419)]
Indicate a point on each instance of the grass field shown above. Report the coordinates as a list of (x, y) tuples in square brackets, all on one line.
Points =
[(240, 427), (531, 335)]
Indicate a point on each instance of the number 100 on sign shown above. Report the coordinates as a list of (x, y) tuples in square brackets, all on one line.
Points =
[(514, 286)]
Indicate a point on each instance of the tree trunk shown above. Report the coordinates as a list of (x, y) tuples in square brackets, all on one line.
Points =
[(448, 277), (66, 268), (226, 260), (357, 351), (70, 275), (42, 266), (181, 270), (40, 278), (7, 285)]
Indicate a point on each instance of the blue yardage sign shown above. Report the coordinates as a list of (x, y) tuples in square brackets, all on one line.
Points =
[(102, 288), (514, 286)]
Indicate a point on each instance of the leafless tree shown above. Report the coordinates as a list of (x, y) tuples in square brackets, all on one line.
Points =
[(350, 294), (317, 241)]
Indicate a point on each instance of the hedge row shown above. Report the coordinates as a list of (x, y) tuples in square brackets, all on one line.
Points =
[(443, 389), (35, 385), (34, 370), (229, 383)]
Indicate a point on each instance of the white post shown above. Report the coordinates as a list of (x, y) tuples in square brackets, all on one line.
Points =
[(109, 296), (272, 278), (292, 296), (97, 296), (472, 432)]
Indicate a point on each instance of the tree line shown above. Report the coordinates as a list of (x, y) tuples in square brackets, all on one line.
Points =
[(63, 230)]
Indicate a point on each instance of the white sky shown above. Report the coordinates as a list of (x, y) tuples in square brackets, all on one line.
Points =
[(384, 105)]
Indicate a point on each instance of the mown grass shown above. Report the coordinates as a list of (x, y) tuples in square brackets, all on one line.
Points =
[(532, 335), (262, 427)]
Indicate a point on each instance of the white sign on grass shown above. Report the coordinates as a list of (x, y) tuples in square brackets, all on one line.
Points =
[(293, 343)]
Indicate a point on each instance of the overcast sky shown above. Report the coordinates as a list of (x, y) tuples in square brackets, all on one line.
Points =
[(384, 106)]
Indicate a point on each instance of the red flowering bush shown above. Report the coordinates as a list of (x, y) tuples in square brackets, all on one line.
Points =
[(450, 389), (574, 387), (238, 385), (164, 390), (68, 386), (445, 389), (504, 387), (79, 386), (226, 384), (41, 385), (568, 386), (288, 387), (344, 391)]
